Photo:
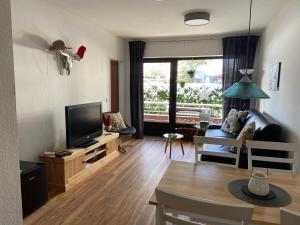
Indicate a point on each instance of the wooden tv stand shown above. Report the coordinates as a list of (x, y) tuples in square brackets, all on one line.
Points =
[(66, 172)]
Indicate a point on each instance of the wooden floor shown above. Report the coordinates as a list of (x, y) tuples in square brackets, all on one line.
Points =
[(117, 194)]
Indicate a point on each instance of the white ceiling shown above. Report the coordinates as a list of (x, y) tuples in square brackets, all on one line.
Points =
[(164, 18)]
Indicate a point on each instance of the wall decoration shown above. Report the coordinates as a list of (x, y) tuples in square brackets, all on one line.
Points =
[(274, 77), (65, 56)]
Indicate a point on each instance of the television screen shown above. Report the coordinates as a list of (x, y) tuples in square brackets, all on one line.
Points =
[(83, 123)]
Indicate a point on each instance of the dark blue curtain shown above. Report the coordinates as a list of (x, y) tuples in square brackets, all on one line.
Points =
[(136, 50), (234, 58)]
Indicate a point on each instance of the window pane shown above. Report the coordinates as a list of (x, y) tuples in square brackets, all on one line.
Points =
[(156, 92), (199, 89)]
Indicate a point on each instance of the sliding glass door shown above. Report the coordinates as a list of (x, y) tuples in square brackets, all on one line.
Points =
[(199, 89), (156, 91), (181, 92)]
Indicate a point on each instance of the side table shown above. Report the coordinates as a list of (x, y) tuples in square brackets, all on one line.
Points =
[(170, 137)]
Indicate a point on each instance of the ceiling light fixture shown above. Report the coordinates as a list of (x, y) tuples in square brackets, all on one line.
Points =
[(196, 18)]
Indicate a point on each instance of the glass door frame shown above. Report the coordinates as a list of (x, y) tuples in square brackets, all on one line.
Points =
[(159, 128)]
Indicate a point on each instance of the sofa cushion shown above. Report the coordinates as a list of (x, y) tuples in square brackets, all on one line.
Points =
[(218, 133), (216, 148), (247, 132), (117, 121), (234, 121)]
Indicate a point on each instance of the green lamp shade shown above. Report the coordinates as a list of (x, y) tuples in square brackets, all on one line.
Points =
[(244, 90)]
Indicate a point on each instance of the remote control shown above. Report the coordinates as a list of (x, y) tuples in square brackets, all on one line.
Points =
[(63, 154)]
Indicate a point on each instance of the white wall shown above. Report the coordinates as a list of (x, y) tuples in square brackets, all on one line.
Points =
[(10, 203), (42, 93), (182, 48), (281, 44), (168, 48)]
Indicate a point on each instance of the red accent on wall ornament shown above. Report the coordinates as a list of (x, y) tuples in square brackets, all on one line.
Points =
[(81, 51)]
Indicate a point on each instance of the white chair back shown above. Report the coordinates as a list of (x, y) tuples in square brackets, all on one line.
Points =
[(200, 210), (291, 149), (288, 217), (207, 142)]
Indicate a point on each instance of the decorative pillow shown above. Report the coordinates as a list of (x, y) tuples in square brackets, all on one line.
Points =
[(234, 121), (117, 121), (247, 133)]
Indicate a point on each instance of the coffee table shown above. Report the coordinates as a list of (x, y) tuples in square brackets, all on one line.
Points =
[(170, 137)]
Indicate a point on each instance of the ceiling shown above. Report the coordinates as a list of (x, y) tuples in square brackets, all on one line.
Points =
[(164, 18)]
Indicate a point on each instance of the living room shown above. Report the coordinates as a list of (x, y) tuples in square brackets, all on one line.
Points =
[(156, 91)]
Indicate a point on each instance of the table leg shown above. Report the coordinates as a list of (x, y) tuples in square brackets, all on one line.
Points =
[(170, 148), (167, 142), (182, 147), (157, 216)]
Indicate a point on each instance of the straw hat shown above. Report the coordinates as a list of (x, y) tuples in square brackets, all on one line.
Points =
[(58, 45)]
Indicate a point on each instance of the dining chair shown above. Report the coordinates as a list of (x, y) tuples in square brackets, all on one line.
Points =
[(182, 210), (288, 217), (290, 148), (220, 147)]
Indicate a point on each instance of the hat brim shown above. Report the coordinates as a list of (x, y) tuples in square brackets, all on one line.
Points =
[(52, 48)]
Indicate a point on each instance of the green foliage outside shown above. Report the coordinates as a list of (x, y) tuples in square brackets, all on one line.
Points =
[(196, 95)]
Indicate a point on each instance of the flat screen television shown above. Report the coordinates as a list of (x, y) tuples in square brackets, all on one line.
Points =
[(83, 123)]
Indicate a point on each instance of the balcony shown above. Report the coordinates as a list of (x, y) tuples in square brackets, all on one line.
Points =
[(186, 113)]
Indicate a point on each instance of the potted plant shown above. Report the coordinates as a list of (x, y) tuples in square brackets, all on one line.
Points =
[(182, 83), (191, 73)]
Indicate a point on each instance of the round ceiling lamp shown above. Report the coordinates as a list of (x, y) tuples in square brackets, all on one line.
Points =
[(196, 18)]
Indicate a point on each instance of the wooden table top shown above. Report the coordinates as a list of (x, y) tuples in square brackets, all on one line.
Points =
[(210, 182)]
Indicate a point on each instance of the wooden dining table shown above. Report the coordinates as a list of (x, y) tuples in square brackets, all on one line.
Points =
[(210, 182)]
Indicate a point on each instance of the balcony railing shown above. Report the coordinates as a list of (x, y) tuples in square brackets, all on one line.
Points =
[(188, 113)]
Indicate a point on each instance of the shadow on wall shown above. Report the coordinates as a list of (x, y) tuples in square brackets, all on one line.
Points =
[(33, 41), (35, 136), (287, 135), (39, 51)]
